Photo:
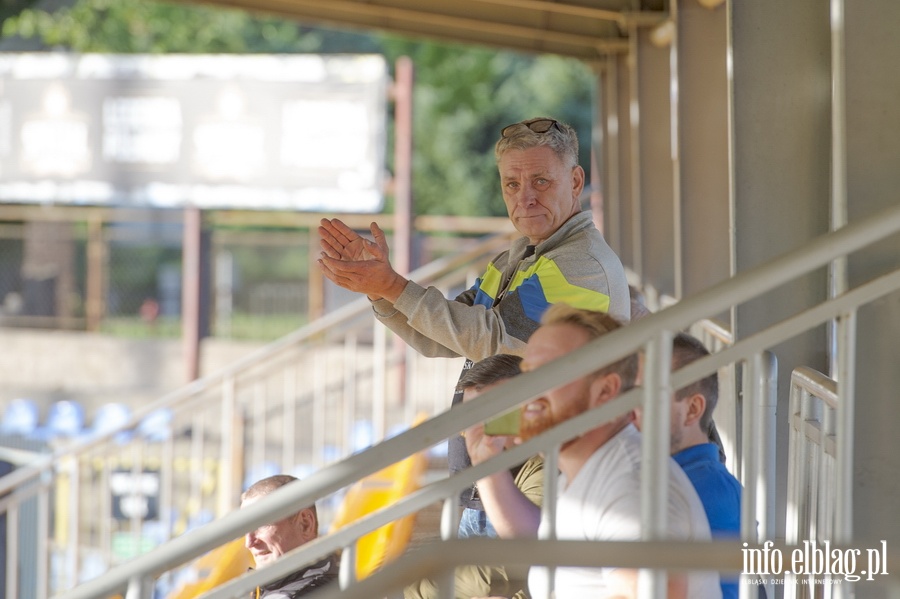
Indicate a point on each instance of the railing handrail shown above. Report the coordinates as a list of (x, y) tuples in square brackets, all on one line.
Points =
[(816, 383), (426, 274), (436, 561), (522, 388)]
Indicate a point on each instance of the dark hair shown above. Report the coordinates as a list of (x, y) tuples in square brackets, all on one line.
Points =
[(686, 349), (595, 324), (492, 369)]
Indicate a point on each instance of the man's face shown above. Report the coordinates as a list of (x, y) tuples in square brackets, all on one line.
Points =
[(676, 422), (677, 418), (540, 191), (558, 405), (270, 541)]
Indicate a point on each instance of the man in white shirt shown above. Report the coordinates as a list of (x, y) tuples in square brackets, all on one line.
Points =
[(599, 486)]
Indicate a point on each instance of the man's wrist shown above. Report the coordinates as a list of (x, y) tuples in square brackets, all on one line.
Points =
[(394, 290)]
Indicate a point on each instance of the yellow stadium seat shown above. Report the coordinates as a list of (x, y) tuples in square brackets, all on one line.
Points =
[(214, 568), (372, 493)]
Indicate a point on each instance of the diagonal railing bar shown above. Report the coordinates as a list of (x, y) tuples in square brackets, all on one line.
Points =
[(439, 558), (602, 351), (787, 328)]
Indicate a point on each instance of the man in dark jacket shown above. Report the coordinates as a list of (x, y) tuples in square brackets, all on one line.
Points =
[(270, 541)]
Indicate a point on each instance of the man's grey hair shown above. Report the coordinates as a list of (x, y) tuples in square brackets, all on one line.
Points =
[(562, 140), (269, 484)]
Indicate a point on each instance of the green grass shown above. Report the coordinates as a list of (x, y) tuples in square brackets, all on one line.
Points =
[(243, 327)]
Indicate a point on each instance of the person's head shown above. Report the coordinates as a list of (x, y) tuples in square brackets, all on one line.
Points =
[(563, 330), (539, 175), (692, 405), (486, 373), (270, 541)]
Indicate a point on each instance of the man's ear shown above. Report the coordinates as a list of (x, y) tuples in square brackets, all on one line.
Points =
[(308, 524), (604, 388), (696, 405), (577, 180)]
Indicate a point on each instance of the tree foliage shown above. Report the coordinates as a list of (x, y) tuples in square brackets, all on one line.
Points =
[(463, 95)]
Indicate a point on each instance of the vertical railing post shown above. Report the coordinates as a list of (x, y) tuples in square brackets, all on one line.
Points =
[(226, 461), (750, 424), (768, 399), (547, 528), (318, 406), (446, 582), (656, 446), (44, 547), (379, 405), (347, 573), (349, 385), (837, 269), (289, 418), (140, 587), (634, 127), (844, 433)]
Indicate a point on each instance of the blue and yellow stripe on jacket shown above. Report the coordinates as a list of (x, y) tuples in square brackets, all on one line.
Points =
[(534, 290)]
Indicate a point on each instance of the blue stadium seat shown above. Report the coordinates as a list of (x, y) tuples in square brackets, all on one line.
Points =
[(111, 417), (20, 417), (65, 419), (157, 425)]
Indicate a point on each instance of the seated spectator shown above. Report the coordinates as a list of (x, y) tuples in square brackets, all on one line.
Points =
[(692, 409), (600, 482), (269, 542), (500, 493)]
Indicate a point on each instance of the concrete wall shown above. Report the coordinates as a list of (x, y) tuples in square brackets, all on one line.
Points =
[(94, 369)]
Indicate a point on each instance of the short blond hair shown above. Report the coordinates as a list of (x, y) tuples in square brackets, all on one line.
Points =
[(595, 324)]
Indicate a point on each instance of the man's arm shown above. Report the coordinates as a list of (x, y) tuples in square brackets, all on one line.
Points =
[(510, 511), (423, 317)]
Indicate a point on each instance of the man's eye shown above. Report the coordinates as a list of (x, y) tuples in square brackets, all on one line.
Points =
[(541, 183)]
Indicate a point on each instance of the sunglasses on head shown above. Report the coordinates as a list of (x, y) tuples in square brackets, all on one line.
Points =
[(536, 125)]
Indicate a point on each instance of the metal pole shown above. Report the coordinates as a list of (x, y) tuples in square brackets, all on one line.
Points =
[(634, 123), (750, 436), (547, 528), (656, 446), (190, 292), (401, 255), (837, 270), (613, 230), (677, 255), (768, 403), (844, 433)]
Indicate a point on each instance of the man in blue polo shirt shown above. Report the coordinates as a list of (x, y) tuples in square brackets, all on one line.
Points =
[(692, 408)]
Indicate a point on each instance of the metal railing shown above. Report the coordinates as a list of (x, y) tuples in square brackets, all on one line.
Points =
[(306, 400), (812, 469), (649, 333)]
